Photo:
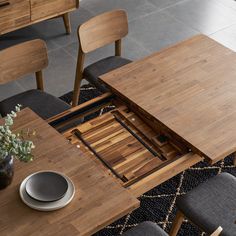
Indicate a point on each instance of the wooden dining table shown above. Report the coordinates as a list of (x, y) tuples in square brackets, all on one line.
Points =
[(171, 110)]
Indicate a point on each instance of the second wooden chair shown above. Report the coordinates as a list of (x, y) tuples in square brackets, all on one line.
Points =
[(23, 59), (97, 32)]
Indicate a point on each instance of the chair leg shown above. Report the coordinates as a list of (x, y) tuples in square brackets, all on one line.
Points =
[(76, 93), (176, 224), (66, 19), (39, 80), (78, 78), (235, 159)]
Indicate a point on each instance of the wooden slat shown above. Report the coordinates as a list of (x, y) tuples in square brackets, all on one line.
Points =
[(120, 149), (164, 174)]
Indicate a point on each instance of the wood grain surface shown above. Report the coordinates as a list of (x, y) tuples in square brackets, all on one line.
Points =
[(126, 147), (98, 201), (23, 59), (16, 14), (102, 30), (13, 14), (189, 89), (44, 8)]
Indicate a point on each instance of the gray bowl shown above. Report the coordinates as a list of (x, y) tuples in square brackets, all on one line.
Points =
[(46, 186)]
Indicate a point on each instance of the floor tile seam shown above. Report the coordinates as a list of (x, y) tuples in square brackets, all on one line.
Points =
[(174, 4), (69, 54), (224, 28), (195, 29), (139, 44), (182, 22), (226, 6)]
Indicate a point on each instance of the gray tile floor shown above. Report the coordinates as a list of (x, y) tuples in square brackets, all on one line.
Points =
[(153, 25)]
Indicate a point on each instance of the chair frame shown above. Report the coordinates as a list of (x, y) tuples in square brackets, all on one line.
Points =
[(101, 30), (178, 222), (23, 59)]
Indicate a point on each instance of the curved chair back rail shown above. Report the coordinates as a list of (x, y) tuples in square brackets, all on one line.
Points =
[(22, 59), (102, 30)]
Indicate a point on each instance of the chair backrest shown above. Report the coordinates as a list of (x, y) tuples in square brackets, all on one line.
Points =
[(97, 32), (102, 30), (22, 59)]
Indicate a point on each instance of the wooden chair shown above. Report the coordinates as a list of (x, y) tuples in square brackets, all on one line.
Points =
[(97, 32), (20, 60), (210, 204), (151, 229)]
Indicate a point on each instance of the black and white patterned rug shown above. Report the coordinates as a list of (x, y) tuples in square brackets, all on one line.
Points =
[(158, 205)]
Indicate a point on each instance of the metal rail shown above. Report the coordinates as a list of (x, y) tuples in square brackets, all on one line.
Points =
[(77, 133)]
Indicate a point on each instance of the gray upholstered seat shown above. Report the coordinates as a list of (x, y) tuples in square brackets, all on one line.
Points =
[(211, 204), (93, 71), (44, 104), (146, 229)]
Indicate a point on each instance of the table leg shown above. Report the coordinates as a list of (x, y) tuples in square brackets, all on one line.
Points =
[(66, 19)]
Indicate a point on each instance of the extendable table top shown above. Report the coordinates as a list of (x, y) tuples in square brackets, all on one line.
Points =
[(190, 89)]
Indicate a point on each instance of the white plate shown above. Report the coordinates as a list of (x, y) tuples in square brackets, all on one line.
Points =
[(47, 206)]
